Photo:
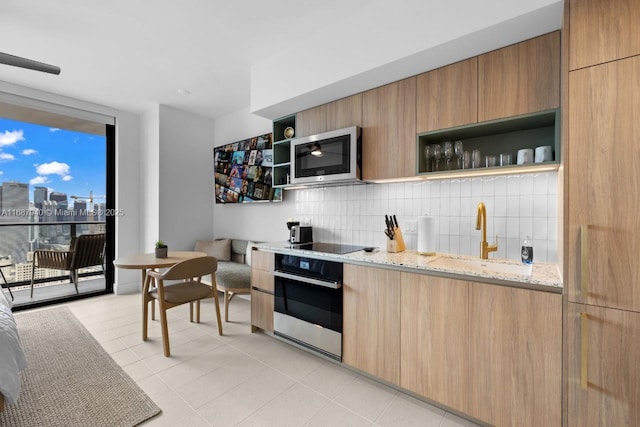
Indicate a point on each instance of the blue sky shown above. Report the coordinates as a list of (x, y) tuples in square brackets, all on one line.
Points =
[(62, 160)]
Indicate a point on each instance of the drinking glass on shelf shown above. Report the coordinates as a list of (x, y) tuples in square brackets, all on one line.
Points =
[(476, 159), (427, 158), (505, 159), (436, 151), (490, 161), (467, 160), (458, 149), (448, 154)]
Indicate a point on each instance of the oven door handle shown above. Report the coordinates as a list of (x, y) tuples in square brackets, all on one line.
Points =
[(317, 282)]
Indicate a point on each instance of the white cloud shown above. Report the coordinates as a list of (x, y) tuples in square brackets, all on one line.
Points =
[(11, 137), (38, 180), (1, 172), (54, 129), (6, 157), (28, 152), (67, 178), (53, 168)]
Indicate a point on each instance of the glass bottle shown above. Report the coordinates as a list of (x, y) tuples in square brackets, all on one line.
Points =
[(527, 251)]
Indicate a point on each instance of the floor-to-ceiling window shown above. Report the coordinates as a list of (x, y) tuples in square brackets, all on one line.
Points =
[(56, 184)]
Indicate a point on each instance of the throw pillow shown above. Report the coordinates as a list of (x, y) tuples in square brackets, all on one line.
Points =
[(221, 249), (247, 255)]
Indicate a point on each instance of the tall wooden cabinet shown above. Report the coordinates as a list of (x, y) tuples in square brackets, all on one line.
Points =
[(371, 321), (603, 31), (603, 354), (434, 339), (519, 79), (604, 185), (602, 240), (515, 355), (389, 131)]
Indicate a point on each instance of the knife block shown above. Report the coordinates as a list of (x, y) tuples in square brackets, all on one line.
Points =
[(400, 239), (397, 244)]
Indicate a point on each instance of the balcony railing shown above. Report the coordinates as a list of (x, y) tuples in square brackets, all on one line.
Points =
[(18, 240)]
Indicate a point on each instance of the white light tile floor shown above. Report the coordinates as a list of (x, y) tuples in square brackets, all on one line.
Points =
[(242, 378)]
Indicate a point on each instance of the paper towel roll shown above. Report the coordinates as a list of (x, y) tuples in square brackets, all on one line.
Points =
[(427, 235)]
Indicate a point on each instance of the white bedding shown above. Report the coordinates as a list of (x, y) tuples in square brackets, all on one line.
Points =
[(12, 358)]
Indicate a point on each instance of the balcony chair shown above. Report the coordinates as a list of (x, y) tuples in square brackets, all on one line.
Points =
[(190, 290), (86, 250)]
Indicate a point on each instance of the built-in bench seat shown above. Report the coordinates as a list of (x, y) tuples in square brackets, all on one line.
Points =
[(233, 276)]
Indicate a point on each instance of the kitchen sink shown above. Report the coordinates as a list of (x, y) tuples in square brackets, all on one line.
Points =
[(484, 266)]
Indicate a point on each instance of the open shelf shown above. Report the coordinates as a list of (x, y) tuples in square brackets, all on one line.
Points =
[(496, 137), (281, 151)]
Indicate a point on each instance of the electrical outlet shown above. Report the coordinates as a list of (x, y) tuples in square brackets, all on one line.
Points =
[(411, 227)]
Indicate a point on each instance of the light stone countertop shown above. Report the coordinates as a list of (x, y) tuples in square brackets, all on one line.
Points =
[(542, 276)]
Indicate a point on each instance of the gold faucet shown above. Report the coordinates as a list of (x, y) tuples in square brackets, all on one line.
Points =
[(481, 224)]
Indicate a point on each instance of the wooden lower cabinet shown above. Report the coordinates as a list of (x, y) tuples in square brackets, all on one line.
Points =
[(603, 357), (262, 288), (435, 339), (261, 310), (371, 321), (515, 356)]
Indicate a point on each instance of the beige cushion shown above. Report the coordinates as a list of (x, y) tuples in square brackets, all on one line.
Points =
[(221, 249), (247, 257)]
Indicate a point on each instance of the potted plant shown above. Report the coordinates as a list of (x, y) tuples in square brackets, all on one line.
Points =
[(161, 249)]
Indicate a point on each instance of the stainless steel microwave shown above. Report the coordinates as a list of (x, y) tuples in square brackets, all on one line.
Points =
[(329, 157)]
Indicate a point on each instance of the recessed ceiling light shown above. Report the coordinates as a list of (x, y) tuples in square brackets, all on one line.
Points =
[(184, 92)]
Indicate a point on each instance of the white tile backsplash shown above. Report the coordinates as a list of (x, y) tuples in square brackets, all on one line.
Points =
[(517, 206)]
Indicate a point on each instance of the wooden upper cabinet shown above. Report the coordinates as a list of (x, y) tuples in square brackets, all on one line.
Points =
[(515, 356), (603, 185), (371, 321), (448, 96), (519, 79), (602, 31), (345, 112), (434, 344), (311, 121), (389, 131)]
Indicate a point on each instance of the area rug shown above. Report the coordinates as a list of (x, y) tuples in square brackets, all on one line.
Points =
[(71, 380)]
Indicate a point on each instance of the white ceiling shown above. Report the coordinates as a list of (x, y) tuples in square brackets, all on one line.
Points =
[(133, 54)]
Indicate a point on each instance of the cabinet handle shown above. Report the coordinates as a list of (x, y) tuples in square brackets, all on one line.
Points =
[(584, 259), (584, 344)]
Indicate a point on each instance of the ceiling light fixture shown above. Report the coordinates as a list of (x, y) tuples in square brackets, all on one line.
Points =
[(184, 92)]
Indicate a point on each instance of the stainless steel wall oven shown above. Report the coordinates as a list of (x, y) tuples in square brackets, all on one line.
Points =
[(308, 303)]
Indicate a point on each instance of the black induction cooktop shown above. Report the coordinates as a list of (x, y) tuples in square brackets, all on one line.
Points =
[(331, 248)]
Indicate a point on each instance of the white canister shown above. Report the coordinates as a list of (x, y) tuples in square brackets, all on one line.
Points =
[(543, 154), (525, 156), (427, 235)]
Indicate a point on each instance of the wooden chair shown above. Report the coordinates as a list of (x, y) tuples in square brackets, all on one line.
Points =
[(189, 291), (86, 250)]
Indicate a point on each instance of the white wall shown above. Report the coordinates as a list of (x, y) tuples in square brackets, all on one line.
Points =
[(185, 179), (127, 198), (149, 146), (251, 221)]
